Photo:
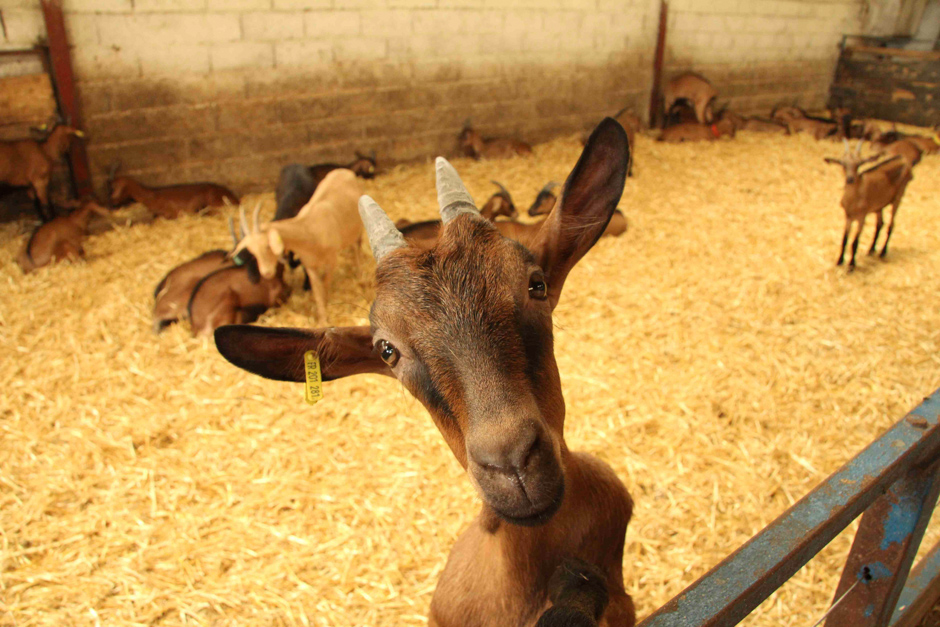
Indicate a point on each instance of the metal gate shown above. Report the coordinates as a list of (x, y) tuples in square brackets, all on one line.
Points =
[(893, 484)]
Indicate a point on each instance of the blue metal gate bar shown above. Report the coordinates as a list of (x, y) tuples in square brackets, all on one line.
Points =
[(731, 590), (884, 549), (920, 593)]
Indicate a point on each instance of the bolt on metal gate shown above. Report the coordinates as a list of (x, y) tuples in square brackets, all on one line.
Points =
[(893, 484)]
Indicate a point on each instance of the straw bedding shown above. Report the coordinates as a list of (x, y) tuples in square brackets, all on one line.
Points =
[(713, 355)]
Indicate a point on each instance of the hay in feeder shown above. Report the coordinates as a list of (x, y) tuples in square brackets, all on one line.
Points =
[(713, 355)]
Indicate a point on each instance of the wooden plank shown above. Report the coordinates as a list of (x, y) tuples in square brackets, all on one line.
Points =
[(26, 100), (894, 52)]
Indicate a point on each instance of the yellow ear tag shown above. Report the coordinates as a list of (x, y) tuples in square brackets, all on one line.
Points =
[(313, 390)]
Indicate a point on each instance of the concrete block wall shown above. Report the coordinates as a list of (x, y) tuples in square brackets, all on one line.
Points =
[(231, 90), (759, 53)]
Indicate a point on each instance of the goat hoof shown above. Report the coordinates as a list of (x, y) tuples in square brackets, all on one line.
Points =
[(883, 254), (851, 268), (840, 262)]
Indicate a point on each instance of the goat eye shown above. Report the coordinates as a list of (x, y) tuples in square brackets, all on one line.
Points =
[(388, 353), (537, 288)]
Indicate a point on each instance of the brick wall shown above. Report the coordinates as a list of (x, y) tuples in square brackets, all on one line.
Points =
[(231, 90)]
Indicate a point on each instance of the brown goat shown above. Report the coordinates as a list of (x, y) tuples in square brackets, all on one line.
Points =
[(908, 150), (28, 163), (870, 192), (467, 329), (545, 200), (173, 292), (525, 233), (60, 238), (694, 88), (234, 295), (170, 201), (474, 145), (690, 132), (499, 204)]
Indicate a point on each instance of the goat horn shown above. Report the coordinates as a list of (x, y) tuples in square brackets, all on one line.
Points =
[(383, 236), (502, 189), (858, 148), (254, 218), (452, 197), (231, 228), (243, 221), (113, 170), (848, 149)]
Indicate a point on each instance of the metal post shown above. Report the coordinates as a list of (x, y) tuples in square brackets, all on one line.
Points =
[(64, 83), (884, 549)]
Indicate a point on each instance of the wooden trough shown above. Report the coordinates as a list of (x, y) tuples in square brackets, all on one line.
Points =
[(887, 83)]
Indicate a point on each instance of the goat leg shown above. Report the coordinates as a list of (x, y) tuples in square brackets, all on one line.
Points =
[(579, 596), (319, 294), (41, 199), (845, 240), (858, 234), (894, 210), (878, 225)]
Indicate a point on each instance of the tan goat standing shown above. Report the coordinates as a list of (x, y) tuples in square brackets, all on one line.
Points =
[(325, 226)]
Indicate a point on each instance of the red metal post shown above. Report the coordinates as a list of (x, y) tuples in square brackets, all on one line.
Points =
[(656, 106), (64, 83)]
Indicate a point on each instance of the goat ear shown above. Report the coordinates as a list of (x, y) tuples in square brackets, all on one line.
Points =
[(832, 161), (275, 241), (591, 194), (278, 353)]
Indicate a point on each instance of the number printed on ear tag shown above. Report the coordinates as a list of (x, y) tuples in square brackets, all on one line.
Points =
[(313, 390)]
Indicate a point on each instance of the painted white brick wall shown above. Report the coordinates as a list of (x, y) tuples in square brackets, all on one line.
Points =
[(402, 75)]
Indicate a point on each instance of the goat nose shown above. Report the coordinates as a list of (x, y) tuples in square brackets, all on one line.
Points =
[(506, 452)]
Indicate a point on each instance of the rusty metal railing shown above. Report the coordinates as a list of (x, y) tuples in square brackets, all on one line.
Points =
[(893, 484)]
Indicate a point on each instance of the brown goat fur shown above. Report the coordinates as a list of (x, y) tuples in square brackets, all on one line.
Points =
[(467, 328), (28, 163), (172, 294), (691, 131), (60, 238), (476, 146), (230, 296), (694, 88), (171, 201), (870, 192)]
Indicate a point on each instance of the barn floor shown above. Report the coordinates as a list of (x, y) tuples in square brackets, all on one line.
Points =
[(713, 355)]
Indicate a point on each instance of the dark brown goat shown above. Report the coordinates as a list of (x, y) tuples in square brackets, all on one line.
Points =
[(297, 183), (234, 295), (467, 329), (172, 200), (476, 146), (60, 238), (28, 163)]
